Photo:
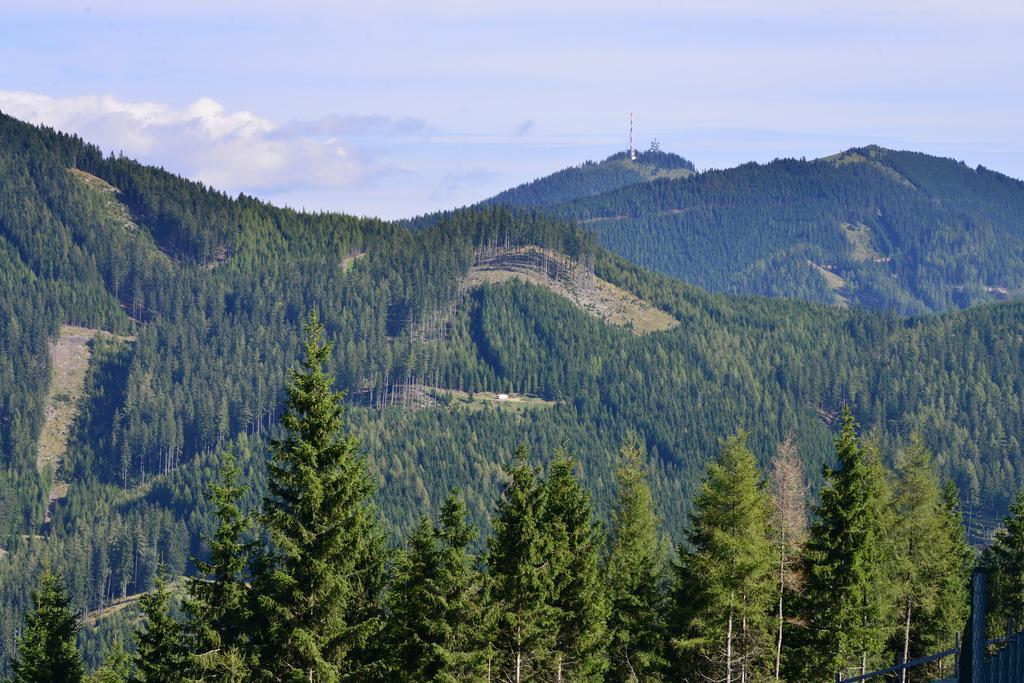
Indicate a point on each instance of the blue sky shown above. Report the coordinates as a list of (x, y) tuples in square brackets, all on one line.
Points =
[(398, 108)]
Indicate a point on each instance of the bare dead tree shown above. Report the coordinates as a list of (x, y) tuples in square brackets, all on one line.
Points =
[(789, 495)]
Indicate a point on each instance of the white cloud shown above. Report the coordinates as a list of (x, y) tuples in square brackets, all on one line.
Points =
[(231, 150)]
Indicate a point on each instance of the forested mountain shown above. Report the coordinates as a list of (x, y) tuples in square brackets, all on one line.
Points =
[(192, 303), (595, 177), (871, 227)]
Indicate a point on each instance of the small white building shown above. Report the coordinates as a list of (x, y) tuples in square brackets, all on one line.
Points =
[(502, 397)]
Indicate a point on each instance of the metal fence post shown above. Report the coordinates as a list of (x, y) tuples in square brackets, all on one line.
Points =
[(1020, 657), (972, 655)]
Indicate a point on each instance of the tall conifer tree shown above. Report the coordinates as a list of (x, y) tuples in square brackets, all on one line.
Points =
[(579, 595), (520, 579), (159, 651), (636, 575), (217, 610), (320, 587), (116, 667), (47, 652), (850, 591), (436, 617), (932, 583), (725, 585), (1005, 559)]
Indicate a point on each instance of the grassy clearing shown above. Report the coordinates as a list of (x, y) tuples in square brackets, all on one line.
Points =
[(69, 363), (606, 301), (479, 400), (69, 360), (859, 237), (835, 283), (109, 193), (873, 154), (348, 261), (652, 172)]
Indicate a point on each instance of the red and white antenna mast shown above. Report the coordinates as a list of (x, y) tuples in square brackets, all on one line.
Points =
[(632, 152)]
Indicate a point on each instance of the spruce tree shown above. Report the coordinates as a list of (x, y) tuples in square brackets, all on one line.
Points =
[(635, 573), (435, 612), (932, 584), (850, 591), (579, 595), (47, 652), (1005, 560), (116, 666), (320, 586), (216, 606), (520, 579), (159, 651), (725, 585), (955, 581)]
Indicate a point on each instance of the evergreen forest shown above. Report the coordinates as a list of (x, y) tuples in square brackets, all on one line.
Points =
[(593, 497)]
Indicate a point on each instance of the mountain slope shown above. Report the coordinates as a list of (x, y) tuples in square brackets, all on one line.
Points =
[(886, 230), (592, 178), (213, 291)]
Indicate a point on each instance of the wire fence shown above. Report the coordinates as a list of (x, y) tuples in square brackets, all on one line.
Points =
[(976, 659)]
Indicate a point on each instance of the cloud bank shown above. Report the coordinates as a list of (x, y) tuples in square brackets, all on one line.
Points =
[(231, 150)]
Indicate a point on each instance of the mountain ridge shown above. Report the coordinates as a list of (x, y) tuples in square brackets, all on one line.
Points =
[(934, 233)]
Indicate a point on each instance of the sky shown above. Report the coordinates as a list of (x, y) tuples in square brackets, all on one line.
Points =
[(398, 108)]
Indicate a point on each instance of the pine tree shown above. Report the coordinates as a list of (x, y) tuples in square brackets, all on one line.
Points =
[(850, 590), (216, 607), (435, 611), (579, 595), (635, 574), (725, 586), (320, 587), (47, 652), (159, 652), (932, 580), (116, 667), (520, 578), (789, 497)]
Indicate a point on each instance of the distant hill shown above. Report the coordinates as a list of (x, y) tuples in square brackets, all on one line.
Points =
[(595, 177), (871, 227)]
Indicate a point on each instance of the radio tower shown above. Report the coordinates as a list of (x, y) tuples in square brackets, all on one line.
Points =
[(632, 152)]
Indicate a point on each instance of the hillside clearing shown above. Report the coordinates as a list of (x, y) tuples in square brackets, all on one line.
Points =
[(834, 282), (604, 300), (69, 360), (114, 208), (455, 398), (874, 153), (349, 261), (652, 172), (860, 240)]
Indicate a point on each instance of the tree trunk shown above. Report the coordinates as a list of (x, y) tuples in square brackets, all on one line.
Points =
[(728, 651), (744, 653), (906, 643), (782, 590)]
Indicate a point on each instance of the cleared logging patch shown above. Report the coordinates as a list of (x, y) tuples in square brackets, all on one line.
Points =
[(69, 360), (115, 209), (455, 398), (603, 300), (835, 283)]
